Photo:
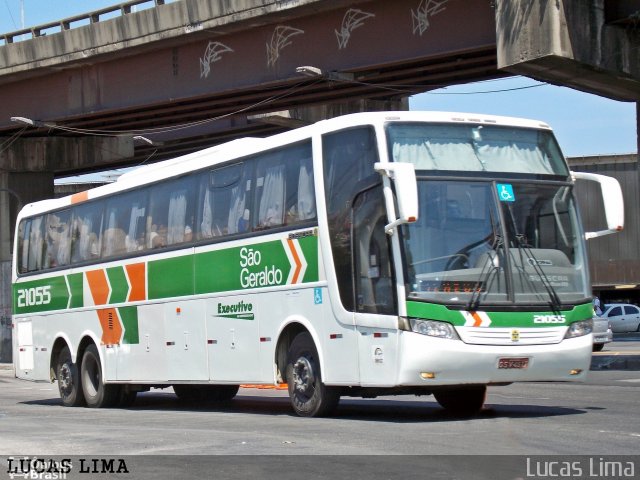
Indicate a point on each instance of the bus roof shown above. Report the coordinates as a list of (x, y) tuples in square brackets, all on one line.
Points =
[(250, 145)]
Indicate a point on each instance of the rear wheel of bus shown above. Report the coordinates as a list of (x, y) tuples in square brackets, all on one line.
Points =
[(462, 401), (309, 396), (68, 380), (97, 394)]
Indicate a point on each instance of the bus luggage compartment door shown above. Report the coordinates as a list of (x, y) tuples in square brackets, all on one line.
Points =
[(233, 339), (25, 352)]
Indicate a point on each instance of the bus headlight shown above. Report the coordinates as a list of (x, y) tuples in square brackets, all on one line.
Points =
[(578, 329), (433, 328)]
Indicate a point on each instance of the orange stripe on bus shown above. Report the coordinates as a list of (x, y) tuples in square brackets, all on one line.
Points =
[(296, 259), (80, 197), (111, 327), (477, 318), (99, 286), (137, 278), (280, 386)]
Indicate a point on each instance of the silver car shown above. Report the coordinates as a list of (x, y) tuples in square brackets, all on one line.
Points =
[(601, 332), (622, 317)]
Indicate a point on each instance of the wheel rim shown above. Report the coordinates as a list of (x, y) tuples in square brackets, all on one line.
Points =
[(65, 379), (303, 377)]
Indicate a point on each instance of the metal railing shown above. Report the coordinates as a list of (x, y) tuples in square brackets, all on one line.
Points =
[(86, 18)]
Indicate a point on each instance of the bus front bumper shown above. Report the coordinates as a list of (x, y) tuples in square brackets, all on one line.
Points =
[(432, 361)]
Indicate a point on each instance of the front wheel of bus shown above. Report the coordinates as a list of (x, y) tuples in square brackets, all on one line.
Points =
[(96, 393), (68, 380), (462, 401), (309, 396)]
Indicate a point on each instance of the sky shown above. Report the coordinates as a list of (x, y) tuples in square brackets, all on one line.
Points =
[(584, 124)]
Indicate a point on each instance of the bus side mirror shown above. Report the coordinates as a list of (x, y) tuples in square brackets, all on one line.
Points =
[(403, 176), (612, 199)]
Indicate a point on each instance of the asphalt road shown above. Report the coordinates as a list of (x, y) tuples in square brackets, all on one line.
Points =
[(598, 417), (626, 343), (257, 435)]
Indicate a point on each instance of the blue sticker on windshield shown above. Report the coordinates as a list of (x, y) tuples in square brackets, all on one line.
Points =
[(505, 192)]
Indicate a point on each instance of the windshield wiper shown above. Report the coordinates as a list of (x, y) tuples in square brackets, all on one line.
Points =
[(555, 302), (488, 269)]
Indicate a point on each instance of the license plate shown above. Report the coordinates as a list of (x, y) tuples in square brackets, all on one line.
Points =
[(513, 363)]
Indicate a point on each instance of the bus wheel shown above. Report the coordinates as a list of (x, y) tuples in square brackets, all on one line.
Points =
[(96, 393), (68, 380), (189, 393), (309, 396), (221, 393), (462, 401)]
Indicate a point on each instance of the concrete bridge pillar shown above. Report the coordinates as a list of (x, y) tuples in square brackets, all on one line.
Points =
[(27, 170), (16, 189)]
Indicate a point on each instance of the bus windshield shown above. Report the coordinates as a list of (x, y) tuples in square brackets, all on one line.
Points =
[(479, 148), (472, 245)]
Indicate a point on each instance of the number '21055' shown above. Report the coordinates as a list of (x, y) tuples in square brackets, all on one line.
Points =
[(34, 296)]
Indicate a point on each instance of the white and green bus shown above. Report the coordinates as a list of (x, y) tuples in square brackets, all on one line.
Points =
[(371, 254)]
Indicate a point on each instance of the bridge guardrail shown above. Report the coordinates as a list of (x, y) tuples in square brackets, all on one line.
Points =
[(68, 23)]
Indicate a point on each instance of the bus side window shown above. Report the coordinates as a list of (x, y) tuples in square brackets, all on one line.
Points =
[(348, 157), (86, 230), (300, 199), (121, 222), (306, 202), (375, 291), (23, 245), (284, 187), (270, 192), (57, 239), (223, 195), (36, 244), (170, 220)]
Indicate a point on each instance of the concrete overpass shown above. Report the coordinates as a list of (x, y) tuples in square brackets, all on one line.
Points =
[(192, 73)]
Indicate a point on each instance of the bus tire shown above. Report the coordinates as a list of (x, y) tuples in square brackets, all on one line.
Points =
[(221, 393), (189, 393), (309, 396), (97, 394), (68, 380), (462, 401)]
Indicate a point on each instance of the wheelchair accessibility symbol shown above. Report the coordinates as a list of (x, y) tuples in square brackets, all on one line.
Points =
[(317, 296), (505, 192)]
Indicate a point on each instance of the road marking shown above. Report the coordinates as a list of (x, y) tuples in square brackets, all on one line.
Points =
[(515, 396), (629, 434), (618, 353), (632, 380)]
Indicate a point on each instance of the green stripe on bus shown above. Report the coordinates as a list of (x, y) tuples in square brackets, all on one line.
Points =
[(40, 295), (247, 267), (498, 319), (251, 266), (129, 317), (76, 285), (170, 277), (216, 271), (309, 247), (119, 285)]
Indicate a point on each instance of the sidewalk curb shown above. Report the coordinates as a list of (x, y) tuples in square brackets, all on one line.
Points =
[(615, 361)]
